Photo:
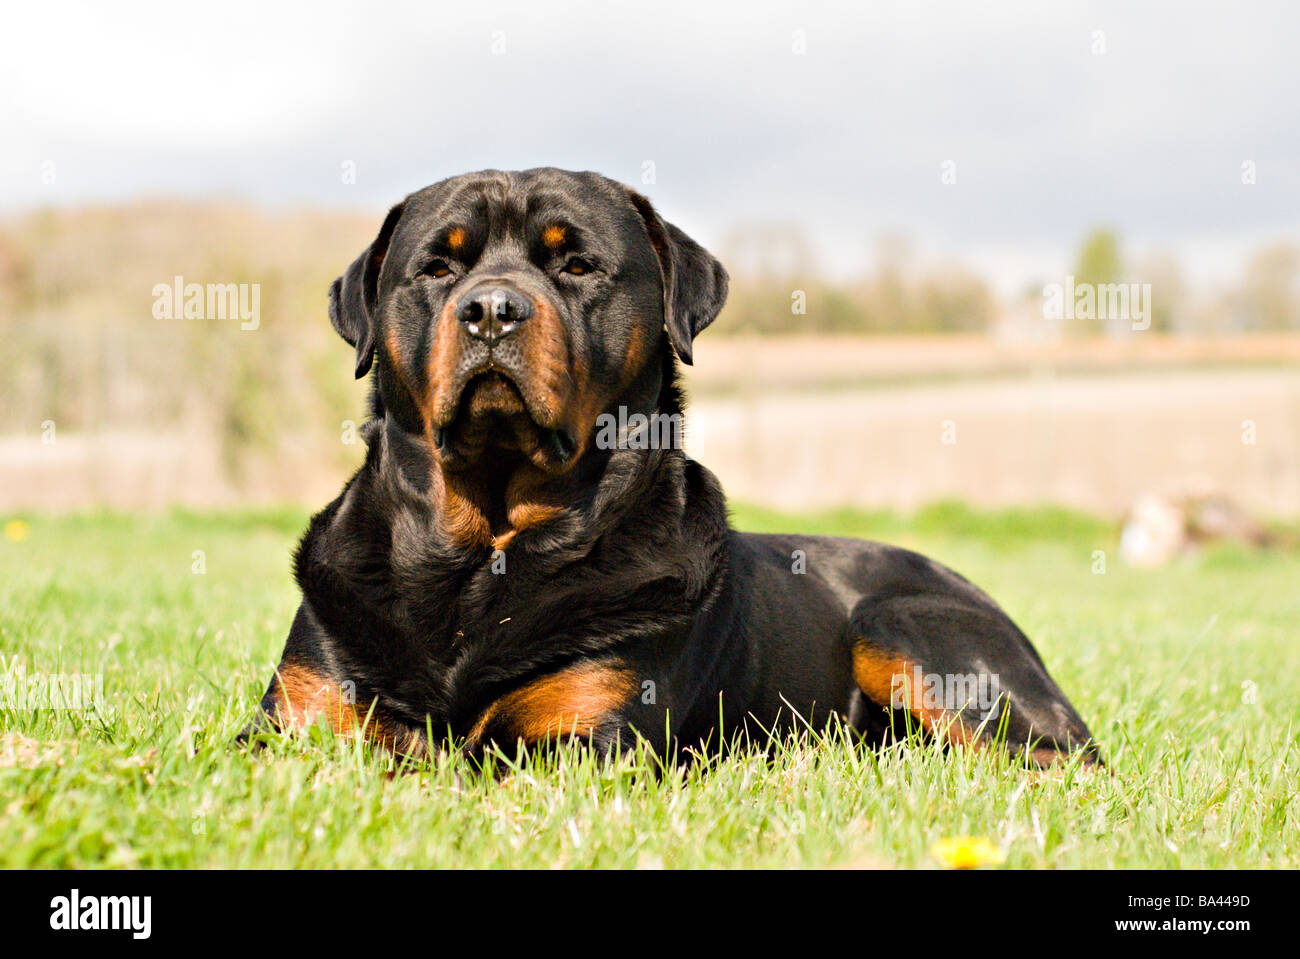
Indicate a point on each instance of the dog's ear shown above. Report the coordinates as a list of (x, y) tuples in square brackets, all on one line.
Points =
[(354, 295), (695, 283)]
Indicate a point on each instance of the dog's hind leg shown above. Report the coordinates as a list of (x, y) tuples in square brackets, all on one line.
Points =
[(957, 666)]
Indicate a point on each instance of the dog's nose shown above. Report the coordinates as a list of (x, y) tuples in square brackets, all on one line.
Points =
[(491, 312)]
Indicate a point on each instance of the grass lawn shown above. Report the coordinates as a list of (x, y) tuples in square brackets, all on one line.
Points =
[(1189, 675)]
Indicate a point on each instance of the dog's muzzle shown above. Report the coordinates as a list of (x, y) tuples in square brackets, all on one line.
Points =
[(497, 387), (492, 311)]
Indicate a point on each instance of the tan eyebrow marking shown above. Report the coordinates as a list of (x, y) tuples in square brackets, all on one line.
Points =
[(553, 236), (456, 238)]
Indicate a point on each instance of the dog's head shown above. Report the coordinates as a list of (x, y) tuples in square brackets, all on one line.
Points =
[(505, 312)]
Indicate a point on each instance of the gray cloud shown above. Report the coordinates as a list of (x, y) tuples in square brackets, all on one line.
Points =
[(1048, 137)]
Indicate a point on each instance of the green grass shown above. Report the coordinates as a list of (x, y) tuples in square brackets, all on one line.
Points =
[(1189, 675)]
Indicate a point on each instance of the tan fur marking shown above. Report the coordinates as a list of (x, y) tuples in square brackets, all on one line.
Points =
[(878, 675), (553, 236), (527, 515), (522, 516), (442, 364), (304, 695), (393, 349), (574, 701), (546, 353), (637, 348), (460, 510)]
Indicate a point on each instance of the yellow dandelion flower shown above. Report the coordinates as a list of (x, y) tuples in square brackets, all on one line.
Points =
[(966, 852), (16, 530)]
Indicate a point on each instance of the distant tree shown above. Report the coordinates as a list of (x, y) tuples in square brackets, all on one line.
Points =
[(1100, 262), (954, 300), (1169, 301), (1099, 258), (1269, 298), (891, 297)]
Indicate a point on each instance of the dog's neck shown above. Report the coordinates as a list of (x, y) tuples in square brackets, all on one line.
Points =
[(504, 495)]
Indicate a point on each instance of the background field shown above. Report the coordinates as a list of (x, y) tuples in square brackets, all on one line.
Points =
[(1188, 674)]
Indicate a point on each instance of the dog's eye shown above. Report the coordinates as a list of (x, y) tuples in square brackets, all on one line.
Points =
[(438, 269), (577, 266)]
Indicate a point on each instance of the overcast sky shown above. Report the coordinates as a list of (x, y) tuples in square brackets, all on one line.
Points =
[(1049, 135)]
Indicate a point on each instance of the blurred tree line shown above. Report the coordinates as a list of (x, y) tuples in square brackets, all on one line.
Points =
[(84, 349), (1266, 298), (776, 288), (87, 354)]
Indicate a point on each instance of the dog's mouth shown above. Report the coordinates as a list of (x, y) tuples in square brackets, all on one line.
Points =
[(493, 415)]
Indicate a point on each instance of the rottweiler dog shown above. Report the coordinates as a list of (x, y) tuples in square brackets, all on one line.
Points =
[(528, 554)]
